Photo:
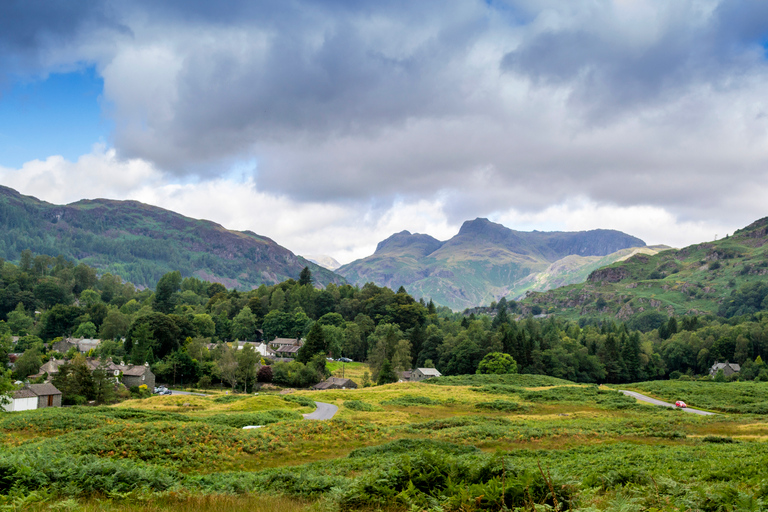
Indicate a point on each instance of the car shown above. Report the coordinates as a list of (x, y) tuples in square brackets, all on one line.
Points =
[(344, 360), (162, 390), (681, 404)]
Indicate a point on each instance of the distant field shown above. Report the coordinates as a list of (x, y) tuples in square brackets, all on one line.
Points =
[(455, 444)]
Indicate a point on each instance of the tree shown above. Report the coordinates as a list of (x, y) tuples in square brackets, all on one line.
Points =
[(204, 325), (305, 277), (227, 367), (315, 344), (19, 322), (85, 330), (28, 363), (244, 325), (103, 386), (115, 325), (167, 286), (497, 363), (205, 382), (248, 364), (386, 374), (75, 381)]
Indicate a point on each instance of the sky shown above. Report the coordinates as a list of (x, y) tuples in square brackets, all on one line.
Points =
[(329, 125)]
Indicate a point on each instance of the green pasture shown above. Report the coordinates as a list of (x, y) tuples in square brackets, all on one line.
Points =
[(460, 443)]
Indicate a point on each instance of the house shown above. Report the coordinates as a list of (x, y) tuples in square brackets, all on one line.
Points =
[(424, 373), (276, 343), (47, 395), (84, 345), (336, 383), (261, 348), (287, 350), (728, 369), (22, 400), (51, 368), (136, 375), (406, 375)]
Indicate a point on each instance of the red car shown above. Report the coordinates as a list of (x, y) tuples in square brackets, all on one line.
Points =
[(681, 404)]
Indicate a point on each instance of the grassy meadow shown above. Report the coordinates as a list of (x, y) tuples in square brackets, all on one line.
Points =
[(460, 443)]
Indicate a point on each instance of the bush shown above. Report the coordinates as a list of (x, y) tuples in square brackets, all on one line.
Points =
[(411, 400), (304, 401), (265, 374), (359, 405), (500, 405)]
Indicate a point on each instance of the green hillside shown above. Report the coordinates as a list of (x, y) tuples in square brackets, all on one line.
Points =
[(726, 277), (140, 243), (486, 261)]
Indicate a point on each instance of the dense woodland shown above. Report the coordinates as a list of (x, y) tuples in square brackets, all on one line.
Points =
[(44, 298)]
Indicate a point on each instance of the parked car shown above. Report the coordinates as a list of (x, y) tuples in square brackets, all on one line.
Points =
[(162, 390), (344, 360), (681, 404)]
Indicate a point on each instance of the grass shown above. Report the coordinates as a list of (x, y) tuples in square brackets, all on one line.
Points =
[(594, 443)]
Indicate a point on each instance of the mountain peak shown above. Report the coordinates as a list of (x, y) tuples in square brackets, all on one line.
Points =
[(405, 243)]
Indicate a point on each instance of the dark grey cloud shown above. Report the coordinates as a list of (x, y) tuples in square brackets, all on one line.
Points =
[(496, 105)]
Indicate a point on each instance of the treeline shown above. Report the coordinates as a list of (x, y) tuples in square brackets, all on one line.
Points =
[(173, 327)]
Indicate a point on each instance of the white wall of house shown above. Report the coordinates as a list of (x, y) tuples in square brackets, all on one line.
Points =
[(21, 404)]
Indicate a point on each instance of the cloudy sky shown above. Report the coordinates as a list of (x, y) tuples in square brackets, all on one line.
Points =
[(328, 125)]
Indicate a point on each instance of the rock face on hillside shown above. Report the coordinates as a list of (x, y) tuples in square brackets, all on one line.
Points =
[(140, 242), (484, 261)]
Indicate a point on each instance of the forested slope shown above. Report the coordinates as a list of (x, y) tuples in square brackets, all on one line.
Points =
[(140, 243)]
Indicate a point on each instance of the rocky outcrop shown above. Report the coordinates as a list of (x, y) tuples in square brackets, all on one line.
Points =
[(608, 274)]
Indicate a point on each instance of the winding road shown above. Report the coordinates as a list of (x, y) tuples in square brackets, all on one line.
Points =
[(324, 411), (653, 401)]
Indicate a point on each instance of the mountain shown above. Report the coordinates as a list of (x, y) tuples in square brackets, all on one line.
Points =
[(483, 262), (726, 277), (324, 261), (140, 243)]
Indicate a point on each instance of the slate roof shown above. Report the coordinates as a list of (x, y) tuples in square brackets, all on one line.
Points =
[(335, 383), (134, 371), (287, 349), (430, 371), (284, 341), (44, 389), (24, 393)]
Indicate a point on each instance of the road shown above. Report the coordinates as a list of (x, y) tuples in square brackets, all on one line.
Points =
[(175, 392), (653, 401), (324, 412)]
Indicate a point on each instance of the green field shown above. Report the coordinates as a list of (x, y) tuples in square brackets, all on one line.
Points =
[(460, 443)]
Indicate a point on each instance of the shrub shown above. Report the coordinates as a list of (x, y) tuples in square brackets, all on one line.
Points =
[(411, 400), (303, 401), (359, 405), (500, 405), (265, 374)]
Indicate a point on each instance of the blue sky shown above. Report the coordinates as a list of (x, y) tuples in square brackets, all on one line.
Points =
[(60, 114), (329, 125)]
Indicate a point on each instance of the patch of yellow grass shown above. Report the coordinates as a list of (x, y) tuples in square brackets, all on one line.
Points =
[(187, 503), (191, 404)]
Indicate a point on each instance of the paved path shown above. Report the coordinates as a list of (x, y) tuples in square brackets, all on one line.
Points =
[(653, 401), (324, 412), (176, 392)]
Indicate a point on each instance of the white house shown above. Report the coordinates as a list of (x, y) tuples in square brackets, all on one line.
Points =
[(23, 400)]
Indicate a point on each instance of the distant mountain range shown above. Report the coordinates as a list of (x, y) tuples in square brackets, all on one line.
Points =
[(486, 261), (726, 277), (140, 243)]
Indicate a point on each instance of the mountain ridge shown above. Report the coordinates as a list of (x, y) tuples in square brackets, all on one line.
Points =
[(141, 242), (482, 262)]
